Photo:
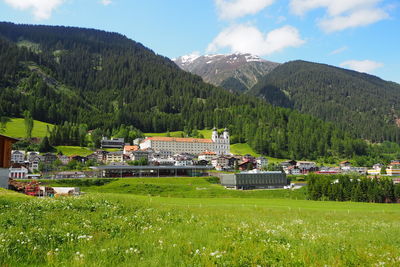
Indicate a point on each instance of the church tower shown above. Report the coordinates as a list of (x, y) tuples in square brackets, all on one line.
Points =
[(214, 135)]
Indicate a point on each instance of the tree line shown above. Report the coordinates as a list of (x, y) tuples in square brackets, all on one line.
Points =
[(352, 188)]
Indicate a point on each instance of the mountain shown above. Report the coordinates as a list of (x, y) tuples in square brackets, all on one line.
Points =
[(358, 102), (235, 72), (101, 80)]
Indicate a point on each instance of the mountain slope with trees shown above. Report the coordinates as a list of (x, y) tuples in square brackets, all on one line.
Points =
[(363, 104), (83, 79)]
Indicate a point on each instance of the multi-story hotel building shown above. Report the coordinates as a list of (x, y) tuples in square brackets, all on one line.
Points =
[(218, 144)]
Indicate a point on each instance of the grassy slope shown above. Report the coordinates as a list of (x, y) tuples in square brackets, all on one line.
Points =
[(123, 229), (74, 150), (16, 128)]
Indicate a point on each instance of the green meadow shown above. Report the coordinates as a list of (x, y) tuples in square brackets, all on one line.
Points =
[(16, 128), (114, 224)]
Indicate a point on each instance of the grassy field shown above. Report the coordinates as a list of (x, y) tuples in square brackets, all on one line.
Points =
[(16, 128), (113, 229), (74, 150), (173, 187)]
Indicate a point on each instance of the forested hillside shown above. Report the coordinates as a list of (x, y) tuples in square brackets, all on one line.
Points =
[(363, 104), (104, 80)]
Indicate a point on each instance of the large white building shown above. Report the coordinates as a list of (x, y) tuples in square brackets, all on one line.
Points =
[(218, 144)]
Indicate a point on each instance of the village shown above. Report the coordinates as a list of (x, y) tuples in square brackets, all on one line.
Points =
[(171, 157)]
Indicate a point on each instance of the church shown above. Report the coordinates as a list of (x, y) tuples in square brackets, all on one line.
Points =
[(218, 144)]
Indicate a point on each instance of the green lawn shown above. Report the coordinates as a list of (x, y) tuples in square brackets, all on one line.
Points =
[(16, 128), (173, 187), (74, 150), (113, 229)]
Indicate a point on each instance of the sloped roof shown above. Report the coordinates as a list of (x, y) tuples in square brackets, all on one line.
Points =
[(175, 139)]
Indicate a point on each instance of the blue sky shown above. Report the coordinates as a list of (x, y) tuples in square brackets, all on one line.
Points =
[(357, 34)]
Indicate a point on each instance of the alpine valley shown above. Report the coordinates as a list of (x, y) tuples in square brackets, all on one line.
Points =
[(96, 80)]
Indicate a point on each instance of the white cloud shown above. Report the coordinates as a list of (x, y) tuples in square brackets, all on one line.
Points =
[(41, 9), (342, 14), (339, 50), (232, 9), (362, 65), (248, 39), (106, 2)]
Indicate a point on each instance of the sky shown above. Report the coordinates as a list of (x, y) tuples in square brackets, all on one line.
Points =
[(362, 35)]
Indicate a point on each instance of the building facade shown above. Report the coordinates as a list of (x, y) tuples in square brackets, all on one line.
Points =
[(218, 144), (254, 180)]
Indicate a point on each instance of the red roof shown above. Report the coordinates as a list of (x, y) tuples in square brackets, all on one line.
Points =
[(131, 148), (174, 139)]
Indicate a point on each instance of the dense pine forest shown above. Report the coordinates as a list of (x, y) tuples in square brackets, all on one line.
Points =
[(362, 104), (90, 79)]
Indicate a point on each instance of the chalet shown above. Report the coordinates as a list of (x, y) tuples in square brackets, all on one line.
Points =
[(233, 161), (49, 158), (306, 166), (288, 163), (64, 159), (17, 156), (5, 159), (34, 162), (247, 165), (32, 154), (79, 158)]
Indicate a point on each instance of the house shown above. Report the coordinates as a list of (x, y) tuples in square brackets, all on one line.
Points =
[(249, 158), (220, 162), (112, 143), (79, 158), (288, 163), (17, 156), (31, 155), (99, 156), (34, 162), (306, 166), (394, 168), (254, 180), (49, 158), (129, 149), (247, 165), (345, 163), (117, 156), (207, 155), (262, 163), (139, 155), (233, 161), (64, 159), (5, 158), (18, 171)]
